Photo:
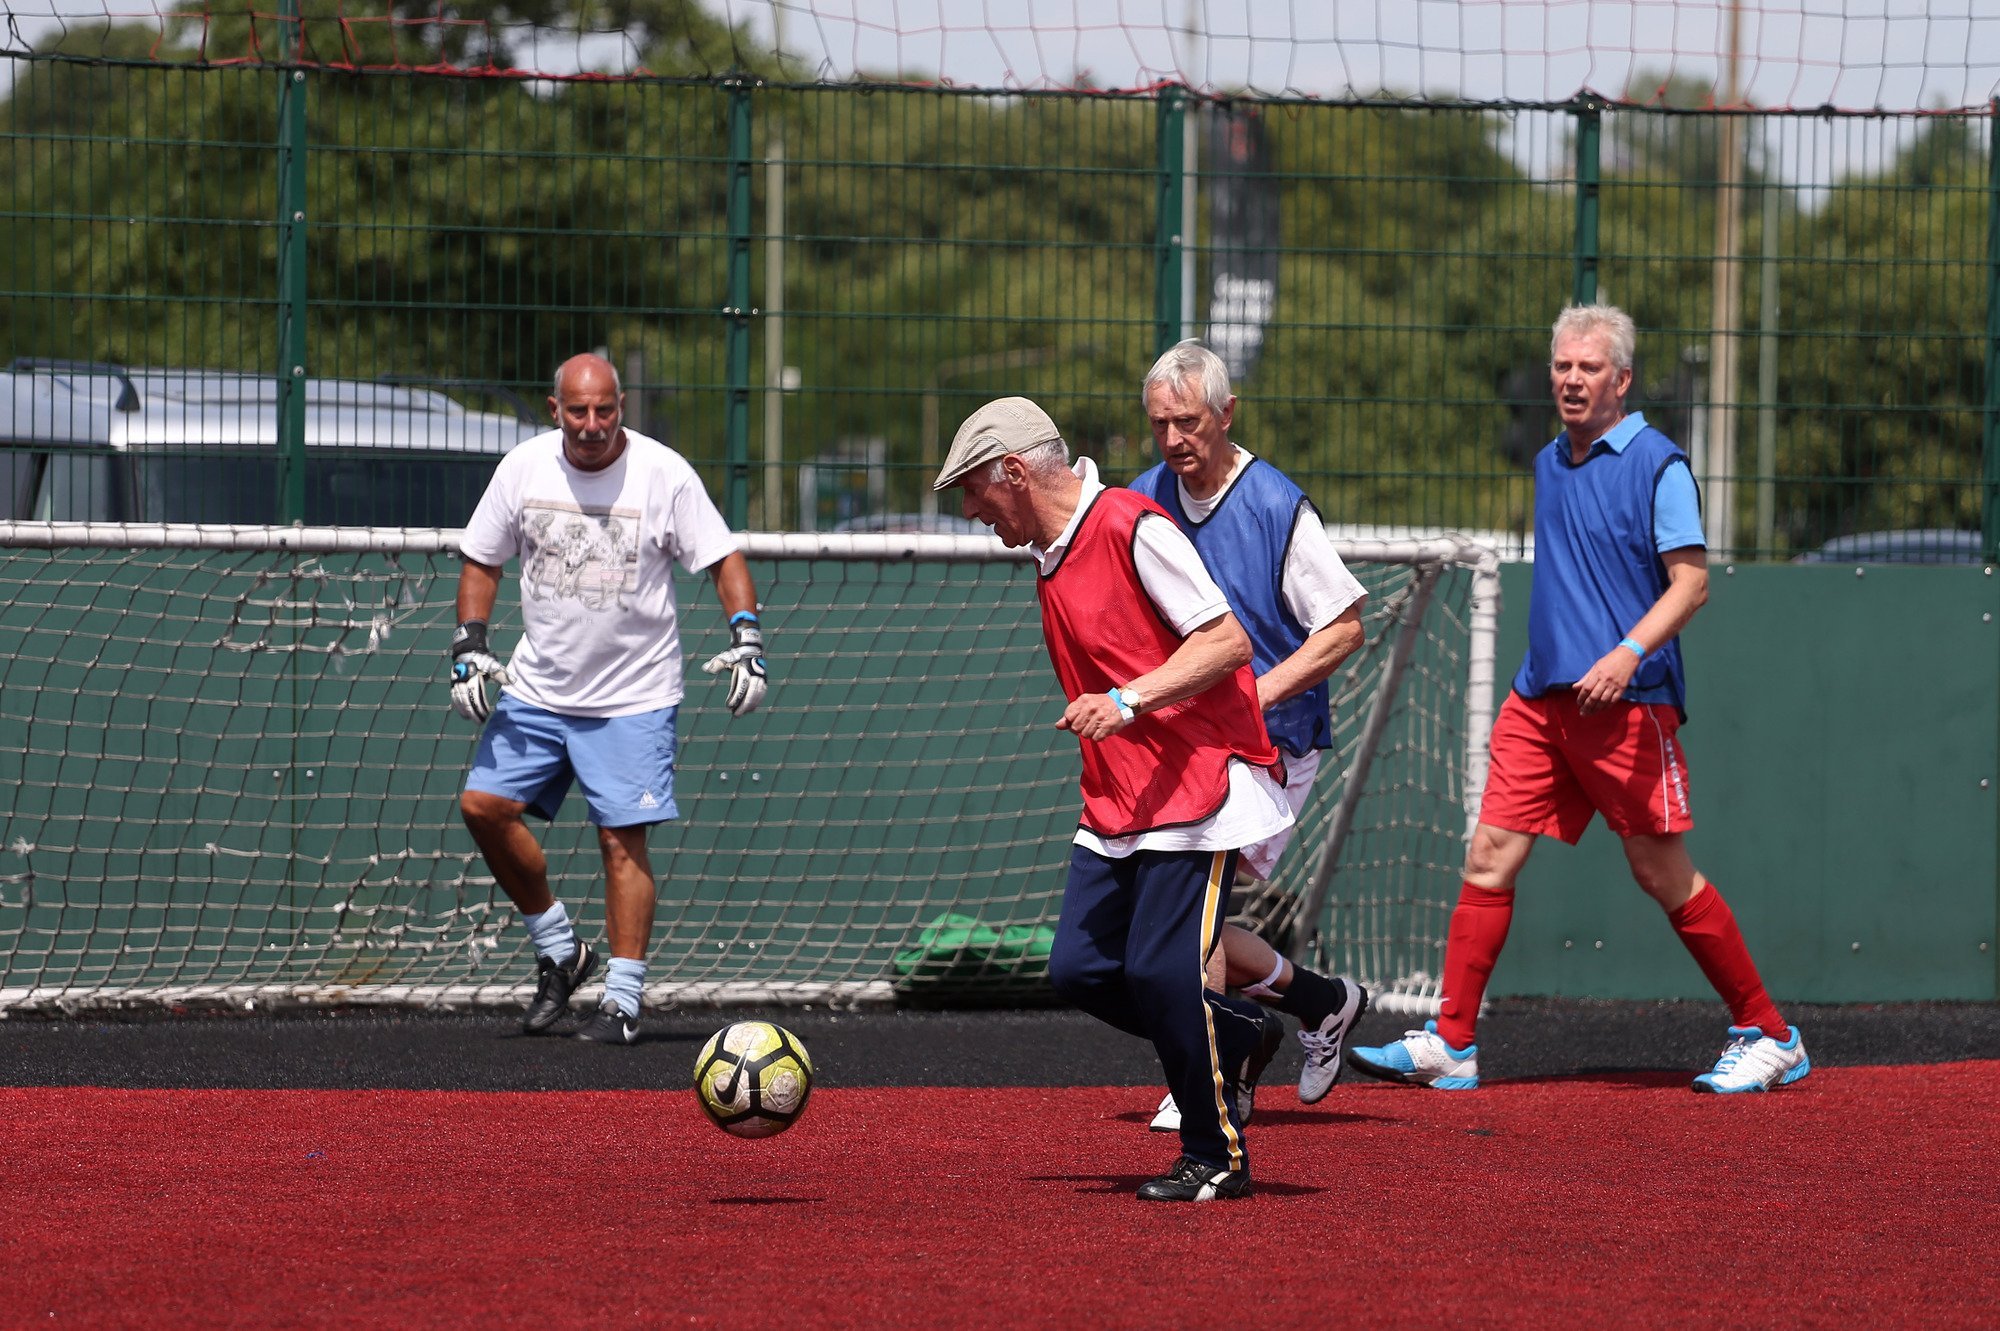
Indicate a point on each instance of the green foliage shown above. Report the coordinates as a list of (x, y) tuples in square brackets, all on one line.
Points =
[(946, 248)]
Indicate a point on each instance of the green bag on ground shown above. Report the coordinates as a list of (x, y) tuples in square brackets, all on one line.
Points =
[(961, 947)]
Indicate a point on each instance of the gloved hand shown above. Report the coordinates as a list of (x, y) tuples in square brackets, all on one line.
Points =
[(745, 663), (471, 666)]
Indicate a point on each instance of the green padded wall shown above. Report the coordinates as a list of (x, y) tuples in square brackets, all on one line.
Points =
[(1842, 740)]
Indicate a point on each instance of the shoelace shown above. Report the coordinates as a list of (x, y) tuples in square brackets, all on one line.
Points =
[(1318, 1047), (1732, 1055)]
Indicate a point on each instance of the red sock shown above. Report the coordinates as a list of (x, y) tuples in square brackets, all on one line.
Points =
[(1478, 931), (1707, 927)]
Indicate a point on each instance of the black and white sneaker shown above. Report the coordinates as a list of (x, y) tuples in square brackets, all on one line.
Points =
[(1240, 1082), (554, 983), (610, 1026), (1193, 1181)]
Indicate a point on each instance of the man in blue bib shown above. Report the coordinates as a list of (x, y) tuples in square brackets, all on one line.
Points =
[(1262, 540), (1621, 566)]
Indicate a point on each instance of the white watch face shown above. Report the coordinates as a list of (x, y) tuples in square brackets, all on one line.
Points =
[(1129, 698)]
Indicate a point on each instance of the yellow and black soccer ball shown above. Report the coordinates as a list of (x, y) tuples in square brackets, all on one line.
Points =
[(753, 1079)]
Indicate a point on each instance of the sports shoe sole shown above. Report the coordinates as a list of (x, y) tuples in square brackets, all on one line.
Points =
[(1168, 1189), (617, 1030), (1703, 1086), (1384, 1072)]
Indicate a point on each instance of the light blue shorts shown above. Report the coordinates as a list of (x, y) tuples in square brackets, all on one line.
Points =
[(625, 764)]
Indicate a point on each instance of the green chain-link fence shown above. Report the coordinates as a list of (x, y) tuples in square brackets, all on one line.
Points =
[(807, 287)]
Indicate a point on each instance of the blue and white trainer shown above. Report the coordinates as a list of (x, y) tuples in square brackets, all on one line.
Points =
[(1754, 1061), (1420, 1058)]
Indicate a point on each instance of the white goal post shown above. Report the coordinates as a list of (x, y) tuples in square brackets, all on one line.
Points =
[(235, 778)]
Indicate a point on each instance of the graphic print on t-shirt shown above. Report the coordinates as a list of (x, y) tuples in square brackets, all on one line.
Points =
[(586, 555)]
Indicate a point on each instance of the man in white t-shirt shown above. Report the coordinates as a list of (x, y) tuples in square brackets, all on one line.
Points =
[(1261, 537), (1178, 772), (597, 515)]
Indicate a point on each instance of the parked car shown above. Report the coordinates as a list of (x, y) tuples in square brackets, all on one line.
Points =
[(1910, 545), (87, 441)]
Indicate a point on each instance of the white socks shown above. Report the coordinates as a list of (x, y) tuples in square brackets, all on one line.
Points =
[(551, 933)]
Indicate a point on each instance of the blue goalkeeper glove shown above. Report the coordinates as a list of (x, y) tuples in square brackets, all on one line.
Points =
[(471, 666), (745, 663)]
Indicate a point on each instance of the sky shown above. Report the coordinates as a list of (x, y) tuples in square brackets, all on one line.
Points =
[(1855, 55), (1852, 54)]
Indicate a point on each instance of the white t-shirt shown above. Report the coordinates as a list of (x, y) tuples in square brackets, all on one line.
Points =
[(1180, 586), (601, 633), (1316, 585)]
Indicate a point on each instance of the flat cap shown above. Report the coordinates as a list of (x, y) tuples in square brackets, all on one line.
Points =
[(1005, 425)]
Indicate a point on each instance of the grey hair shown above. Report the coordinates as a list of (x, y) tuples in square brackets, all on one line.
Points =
[(555, 384), (1044, 459), (1605, 321), (1187, 360)]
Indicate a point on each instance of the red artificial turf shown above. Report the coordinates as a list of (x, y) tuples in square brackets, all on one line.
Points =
[(1862, 1197)]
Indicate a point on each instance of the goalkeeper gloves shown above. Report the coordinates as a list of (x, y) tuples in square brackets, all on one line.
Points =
[(745, 663), (471, 666)]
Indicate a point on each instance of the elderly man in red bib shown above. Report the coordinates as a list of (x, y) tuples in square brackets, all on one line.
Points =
[(1178, 772)]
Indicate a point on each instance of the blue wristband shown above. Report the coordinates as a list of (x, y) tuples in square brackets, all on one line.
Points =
[(1633, 647)]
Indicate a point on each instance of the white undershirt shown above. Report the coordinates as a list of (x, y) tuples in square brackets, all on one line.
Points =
[(1316, 584), (1186, 595)]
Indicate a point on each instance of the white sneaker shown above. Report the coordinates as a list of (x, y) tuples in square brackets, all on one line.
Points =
[(1754, 1061), (1169, 1117), (1322, 1065), (1420, 1058)]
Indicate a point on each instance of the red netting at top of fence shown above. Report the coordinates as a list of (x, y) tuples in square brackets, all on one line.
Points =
[(1850, 56)]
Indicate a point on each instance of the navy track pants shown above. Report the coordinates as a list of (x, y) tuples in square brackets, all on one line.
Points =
[(1131, 949)]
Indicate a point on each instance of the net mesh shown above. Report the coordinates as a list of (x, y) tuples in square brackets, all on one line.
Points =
[(1862, 55), (237, 780)]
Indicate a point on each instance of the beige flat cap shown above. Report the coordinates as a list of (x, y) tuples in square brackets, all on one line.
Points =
[(1005, 425)]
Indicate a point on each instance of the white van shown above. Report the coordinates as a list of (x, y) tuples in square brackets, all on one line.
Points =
[(93, 442)]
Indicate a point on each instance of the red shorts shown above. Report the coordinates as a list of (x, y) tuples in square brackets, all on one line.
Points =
[(1553, 767)]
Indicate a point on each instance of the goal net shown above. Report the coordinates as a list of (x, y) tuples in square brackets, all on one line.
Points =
[(235, 778)]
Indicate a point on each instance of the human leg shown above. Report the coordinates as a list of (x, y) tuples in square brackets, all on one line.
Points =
[(1087, 954), (1327, 1008), (625, 767), (629, 901), (1211, 1047), (521, 766), (511, 851), (1444, 1054), (1479, 926), (1764, 1049)]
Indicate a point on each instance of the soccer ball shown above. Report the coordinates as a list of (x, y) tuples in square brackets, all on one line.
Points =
[(753, 1078)]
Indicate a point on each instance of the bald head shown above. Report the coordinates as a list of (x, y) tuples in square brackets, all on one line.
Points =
[(586, 363), (589, 404)]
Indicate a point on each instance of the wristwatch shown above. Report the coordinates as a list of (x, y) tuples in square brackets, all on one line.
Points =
[(1128, 702)]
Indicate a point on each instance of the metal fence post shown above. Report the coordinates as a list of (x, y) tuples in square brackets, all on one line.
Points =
[(736, 420), (291, 272), (1990, 510), (1589, 113), (1168, 241)]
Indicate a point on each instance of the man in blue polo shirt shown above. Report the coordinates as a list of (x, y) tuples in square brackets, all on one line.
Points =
[(1621, 566)]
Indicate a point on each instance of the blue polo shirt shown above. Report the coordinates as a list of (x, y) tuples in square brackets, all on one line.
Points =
[(1600, 528)]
